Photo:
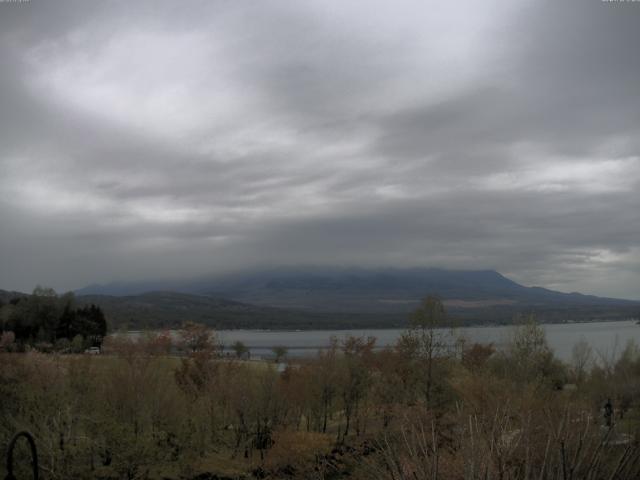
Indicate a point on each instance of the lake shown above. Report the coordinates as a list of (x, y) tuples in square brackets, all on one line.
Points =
[(606, 338)]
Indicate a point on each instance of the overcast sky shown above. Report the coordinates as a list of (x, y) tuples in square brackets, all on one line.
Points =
[(143, 140)]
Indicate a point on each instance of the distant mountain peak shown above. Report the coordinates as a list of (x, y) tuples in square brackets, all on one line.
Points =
[(358, 289)]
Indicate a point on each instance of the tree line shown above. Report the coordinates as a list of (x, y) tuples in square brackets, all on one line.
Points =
[(47, 321)]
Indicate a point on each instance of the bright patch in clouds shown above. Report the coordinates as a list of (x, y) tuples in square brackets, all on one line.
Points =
[(164, 85), (569, 175)]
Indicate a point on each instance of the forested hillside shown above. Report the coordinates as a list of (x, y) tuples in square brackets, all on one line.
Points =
[(47, 321), (154, 310)]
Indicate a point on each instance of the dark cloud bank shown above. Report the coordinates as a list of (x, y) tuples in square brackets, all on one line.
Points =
[(176, 139)]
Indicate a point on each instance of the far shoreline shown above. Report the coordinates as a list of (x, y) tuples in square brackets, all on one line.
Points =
[(405, 327)]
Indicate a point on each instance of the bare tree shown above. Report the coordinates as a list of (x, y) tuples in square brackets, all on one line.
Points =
[(425, 340), (581, 359)]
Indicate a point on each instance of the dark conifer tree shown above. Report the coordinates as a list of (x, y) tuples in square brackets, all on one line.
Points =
[(66, 322)]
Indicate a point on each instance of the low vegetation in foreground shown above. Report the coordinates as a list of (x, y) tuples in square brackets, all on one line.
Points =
[(430, 407)]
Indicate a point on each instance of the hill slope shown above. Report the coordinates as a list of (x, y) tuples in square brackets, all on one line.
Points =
[(171, 310)]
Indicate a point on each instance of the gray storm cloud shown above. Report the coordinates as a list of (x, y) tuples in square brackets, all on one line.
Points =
[(159, 139)]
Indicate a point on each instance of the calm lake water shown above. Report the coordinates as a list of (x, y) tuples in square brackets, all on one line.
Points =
[(606, 338)]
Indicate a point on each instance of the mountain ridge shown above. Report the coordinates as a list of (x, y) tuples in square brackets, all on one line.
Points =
[(339, 298), (379, 290)]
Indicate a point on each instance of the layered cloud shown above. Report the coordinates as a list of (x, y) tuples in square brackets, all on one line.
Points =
[(167, 139)]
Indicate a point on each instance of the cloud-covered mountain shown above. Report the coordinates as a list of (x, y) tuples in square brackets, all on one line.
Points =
[(356, 290), (337, 298)]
